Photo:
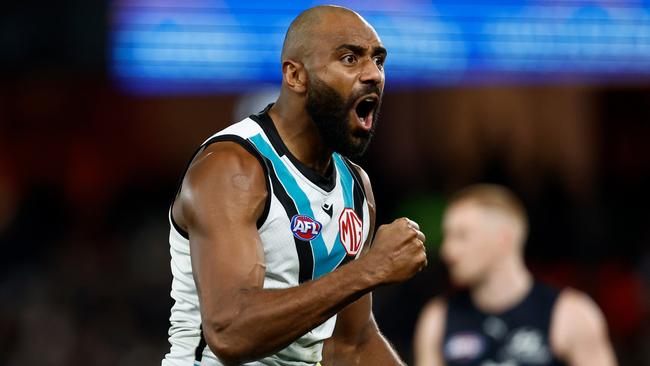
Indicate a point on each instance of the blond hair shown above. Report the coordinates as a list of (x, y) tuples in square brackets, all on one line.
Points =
[(494, 197)]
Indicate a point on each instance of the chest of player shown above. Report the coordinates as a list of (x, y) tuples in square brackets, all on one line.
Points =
[(310, 229), (493, 342), (519, 337)]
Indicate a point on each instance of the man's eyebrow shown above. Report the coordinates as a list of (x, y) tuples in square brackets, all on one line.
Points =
[(360, 50), (379, 50)]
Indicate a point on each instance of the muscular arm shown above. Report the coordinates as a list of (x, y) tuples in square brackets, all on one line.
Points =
[(428, 334), (222, 196), (356, 339), (579, 332)]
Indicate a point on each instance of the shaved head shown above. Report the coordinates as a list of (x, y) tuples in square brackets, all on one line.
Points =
[(299, 40), (333, 72)]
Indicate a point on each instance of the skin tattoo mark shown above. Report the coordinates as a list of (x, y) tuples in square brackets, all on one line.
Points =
[(241, 182)]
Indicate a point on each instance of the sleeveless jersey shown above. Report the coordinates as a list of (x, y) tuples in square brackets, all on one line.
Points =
[(311, 225), (516, 337)]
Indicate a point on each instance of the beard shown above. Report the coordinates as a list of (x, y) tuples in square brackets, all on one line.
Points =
[(331, 114)]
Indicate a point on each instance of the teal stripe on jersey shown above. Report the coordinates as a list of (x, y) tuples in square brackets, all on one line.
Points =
[(347, 183), (346, 180), (324, 261)]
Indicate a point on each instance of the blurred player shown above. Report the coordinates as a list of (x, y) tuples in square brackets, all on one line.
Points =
[(271, 215), (504, 317)]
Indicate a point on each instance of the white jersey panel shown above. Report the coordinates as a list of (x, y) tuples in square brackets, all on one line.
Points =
[(293, 253)]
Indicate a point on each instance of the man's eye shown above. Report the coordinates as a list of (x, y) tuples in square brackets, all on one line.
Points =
[(349, 59), (379, 61)]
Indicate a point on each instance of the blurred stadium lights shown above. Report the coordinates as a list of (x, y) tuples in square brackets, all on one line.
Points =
[(194, 46)]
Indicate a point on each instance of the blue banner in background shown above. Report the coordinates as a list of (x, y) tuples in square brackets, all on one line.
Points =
[(195, 46)]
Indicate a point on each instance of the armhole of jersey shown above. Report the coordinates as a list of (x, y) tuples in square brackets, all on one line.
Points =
[(253, 151), (445, 329), (455, 304), (547, 297)]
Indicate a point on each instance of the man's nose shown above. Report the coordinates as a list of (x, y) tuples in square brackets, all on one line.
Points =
[(371, 73), (447, 251)]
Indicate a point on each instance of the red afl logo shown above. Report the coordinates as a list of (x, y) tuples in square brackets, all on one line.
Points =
[(351, 231), (304, 227)]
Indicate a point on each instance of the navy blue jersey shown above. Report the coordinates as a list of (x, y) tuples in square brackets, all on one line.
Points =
[(516, 337)]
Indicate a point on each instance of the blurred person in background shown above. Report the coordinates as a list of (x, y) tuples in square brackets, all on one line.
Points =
[(503, 317), (271, 216)]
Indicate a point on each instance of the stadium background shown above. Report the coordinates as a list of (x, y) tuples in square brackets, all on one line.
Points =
[(102, 103)]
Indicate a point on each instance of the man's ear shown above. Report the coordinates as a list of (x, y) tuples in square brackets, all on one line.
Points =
[(507, 234), (295, 75)]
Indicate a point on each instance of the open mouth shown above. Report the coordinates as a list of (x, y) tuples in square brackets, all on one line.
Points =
[(365, 110)]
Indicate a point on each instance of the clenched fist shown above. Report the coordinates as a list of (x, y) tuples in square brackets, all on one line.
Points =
[(397, 252)]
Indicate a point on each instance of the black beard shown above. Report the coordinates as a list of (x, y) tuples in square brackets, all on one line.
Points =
[(330, 112)]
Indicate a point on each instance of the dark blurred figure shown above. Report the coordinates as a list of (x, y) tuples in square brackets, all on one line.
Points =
[(504, 317)]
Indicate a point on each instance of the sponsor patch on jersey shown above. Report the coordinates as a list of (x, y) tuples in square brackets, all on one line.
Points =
[(464, 346), (305, 228), (527, 346), (351, 231)]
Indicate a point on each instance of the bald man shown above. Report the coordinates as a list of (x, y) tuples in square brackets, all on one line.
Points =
[(271, 229), (505, 317)]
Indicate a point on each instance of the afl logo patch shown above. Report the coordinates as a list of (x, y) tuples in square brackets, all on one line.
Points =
[(304, 227), (351, 231)]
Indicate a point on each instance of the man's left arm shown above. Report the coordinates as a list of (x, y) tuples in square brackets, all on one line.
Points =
[(356, 339), (579, 331)]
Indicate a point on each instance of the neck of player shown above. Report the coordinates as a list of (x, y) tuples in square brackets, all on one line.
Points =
[(503, 287), (300, 134)]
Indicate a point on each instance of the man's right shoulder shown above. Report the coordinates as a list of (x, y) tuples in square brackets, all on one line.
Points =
[(430, 330), (222, 161), (218, 157), (244, 129), (435, 310), (232, 142), (223, 174)]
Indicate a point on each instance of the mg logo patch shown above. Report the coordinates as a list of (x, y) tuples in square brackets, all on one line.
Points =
[(351, 231), (304, 227)]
